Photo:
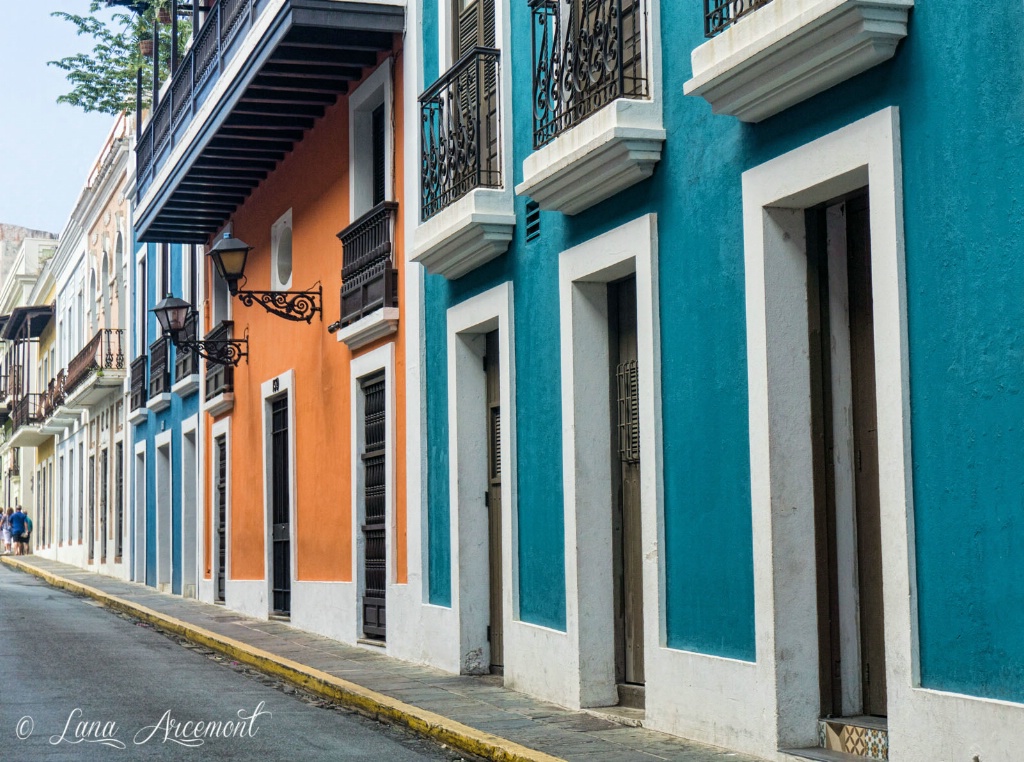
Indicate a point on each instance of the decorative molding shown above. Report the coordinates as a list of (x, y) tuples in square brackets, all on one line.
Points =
[(222, 403), (474, 230), (185, 386), (615, 148), (790, 50), (376, 325), (138, 416), (159, 402)]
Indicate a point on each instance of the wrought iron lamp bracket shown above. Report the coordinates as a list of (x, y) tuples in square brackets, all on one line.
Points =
[(291, 305), (219, 351)]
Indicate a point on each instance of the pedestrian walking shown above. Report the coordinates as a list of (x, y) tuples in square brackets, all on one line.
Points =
[(26, 535), (5, 529), (18, 529)]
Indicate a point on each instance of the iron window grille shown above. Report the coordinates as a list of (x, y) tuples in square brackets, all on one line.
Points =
[(586, 53), (460, 146), (186, 362)]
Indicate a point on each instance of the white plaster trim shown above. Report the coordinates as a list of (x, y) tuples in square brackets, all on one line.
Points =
[(137, 512), (222, 403), (138, 416), (221, 428), (284, 223), (376, 325), (382, 358), (466, 234), (593, 161), (164, 512), (286, 387), (374, 91), (190, 548), (775, 195), (325, 608), (789, 50), (468, 322), (160, 402), (183, 387), (584, 272)]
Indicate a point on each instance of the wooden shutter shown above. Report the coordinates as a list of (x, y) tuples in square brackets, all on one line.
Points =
[(379, 132)]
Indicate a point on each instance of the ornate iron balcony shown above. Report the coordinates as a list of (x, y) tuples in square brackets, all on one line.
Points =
[(460, 142), (138, 396), (159, 367), (719, 15), (104, 351), (586, 53), (28, 410), (220, 379), (53, 397), (369, 277)]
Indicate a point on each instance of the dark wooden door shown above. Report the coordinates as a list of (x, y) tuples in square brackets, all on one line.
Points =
[(221, 519), (104, 466), (375, 508), (91, 533), (866, 508), (495, 629), (473, 26), (865, 443), (627, 545), (280, 508), (119, 501)]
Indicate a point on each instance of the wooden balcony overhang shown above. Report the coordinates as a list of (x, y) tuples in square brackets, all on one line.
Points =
[(213, 157), (26, 322)]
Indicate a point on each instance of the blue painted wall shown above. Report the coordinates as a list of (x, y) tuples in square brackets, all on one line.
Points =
[(956, 82), (169, 419)]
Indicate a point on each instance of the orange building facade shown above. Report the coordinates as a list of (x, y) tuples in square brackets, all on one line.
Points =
[(293, 150)]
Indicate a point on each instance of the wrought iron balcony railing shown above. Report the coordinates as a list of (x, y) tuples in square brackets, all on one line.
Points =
[(369, 278), (460, 142), (139, 388), (103, 352), (586, 54), (54, 396), (14, 380), (186, 363), (719, 15), (159, 367), (203, 62), (220, 379), (28, 410)]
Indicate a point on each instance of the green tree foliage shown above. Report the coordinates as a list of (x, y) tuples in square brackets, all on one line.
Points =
[(103, 80)]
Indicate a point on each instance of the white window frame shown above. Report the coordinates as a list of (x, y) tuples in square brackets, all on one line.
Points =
[(286, 387), (283, 223), (468, 324), (362, 367), (375, 91)]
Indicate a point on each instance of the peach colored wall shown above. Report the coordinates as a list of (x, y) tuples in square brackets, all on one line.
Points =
[(313, 182)]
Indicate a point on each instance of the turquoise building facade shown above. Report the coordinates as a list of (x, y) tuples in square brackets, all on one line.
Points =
[(770, 364)]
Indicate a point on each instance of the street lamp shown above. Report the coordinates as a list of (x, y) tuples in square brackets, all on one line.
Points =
[(229, 256), (177, 319)]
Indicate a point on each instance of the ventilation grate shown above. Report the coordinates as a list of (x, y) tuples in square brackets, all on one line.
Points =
[(532, 220)]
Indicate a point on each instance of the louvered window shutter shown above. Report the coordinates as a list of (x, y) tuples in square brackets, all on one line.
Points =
[(379, 133)]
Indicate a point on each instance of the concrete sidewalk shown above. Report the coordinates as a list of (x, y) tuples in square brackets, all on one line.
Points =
[(474, 714)]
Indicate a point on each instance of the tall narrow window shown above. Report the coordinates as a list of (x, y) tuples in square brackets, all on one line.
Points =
[(280, 506), (221, 517), (375, 502), (379, 159), (119, 501), (473, 26), (81, 493)]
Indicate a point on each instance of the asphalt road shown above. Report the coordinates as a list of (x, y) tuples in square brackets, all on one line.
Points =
[(78, 682)]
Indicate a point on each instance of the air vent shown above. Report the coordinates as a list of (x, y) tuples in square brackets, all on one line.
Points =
[(532, 220)]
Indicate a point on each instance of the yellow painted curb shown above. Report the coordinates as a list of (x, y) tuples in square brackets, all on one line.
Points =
[(363, 700)]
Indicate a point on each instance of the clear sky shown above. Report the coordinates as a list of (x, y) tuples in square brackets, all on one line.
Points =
[(46, 149)]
